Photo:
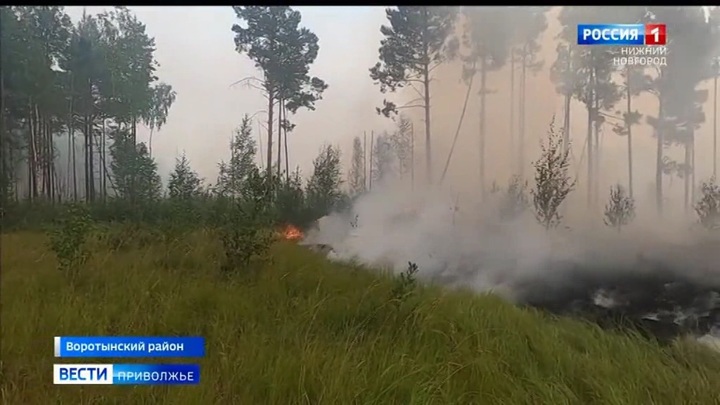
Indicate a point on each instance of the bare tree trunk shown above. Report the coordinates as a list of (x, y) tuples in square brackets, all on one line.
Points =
[(69, 156), (32, 155), (13, 172), (71, 138), (365, 176), (6, 180), (566, 123), (287, 159), (426, 82), (512, 100), (279, 137), (372, 140), (87, 157), (152, 129), (42, 157), (102, 169), (457, 129), (260, 143), (412, 156), (568, 99), (37, 147), (589, 151), (628, 126), (91, 159), (74, 161), (596, 130), (659, 156), (715, 137), (686, 176), (521, 113), (49, 160), (58, 188), (271, 105), (51, 163), (483, 91), (428, 145)]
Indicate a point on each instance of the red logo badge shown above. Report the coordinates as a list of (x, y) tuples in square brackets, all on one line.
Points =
[(655, 34)]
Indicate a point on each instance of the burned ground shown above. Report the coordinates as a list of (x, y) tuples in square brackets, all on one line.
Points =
[(658, 298)]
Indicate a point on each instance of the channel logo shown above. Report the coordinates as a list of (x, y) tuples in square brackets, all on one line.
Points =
[(621, 34), (81, 374)]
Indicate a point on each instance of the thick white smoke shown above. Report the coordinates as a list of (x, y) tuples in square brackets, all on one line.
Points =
[(456, 240)]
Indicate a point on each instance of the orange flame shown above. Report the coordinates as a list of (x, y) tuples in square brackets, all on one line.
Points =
[(291, 233)]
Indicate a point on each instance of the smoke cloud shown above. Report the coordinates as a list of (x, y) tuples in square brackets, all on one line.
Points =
[(578, 271)]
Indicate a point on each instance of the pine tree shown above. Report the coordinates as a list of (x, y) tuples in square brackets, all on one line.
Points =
[(413, 45), (184, 183), (242, 161)]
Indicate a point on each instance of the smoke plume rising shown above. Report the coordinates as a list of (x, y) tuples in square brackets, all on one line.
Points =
[(671, 285)]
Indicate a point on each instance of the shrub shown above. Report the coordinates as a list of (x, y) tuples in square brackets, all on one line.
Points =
[(68, 240), (620, 209)]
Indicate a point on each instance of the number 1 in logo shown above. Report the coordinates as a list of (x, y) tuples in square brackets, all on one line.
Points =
[(655, 34)]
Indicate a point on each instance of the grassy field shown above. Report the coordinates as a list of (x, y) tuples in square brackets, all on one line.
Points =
[(305, 331)]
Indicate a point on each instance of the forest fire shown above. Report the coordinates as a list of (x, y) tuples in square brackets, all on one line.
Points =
[(291, 233)]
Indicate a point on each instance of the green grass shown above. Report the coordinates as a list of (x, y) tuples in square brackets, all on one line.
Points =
[(306, 331)]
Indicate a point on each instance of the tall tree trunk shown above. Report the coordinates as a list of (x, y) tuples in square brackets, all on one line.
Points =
[(42, 156), (103, 155), (566, 111), (37, 147), (457, 129), (372, 164), (279, 137), (659, 156), (428, 145), (152, 129), (49, 160), (628, 127), (365, 172), (71, 138), (512, 100), (566, 123), (271, 105), (86, 135), (590, 149), (91, 158), (715, 135), (686, 175), (69, 156), (426, 82), (74, 161), (596, 132), (412, 156), (134, 130), (32, 154), (521, 113), (287, 158), (7, 161), (54, 183), (483, 91), (13, 173), (595, 102)]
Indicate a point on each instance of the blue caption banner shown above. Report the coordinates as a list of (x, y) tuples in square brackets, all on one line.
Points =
[(126, 374), (129, 346), (611, 34)]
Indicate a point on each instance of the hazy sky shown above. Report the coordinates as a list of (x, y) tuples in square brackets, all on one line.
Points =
[(197, 57)]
